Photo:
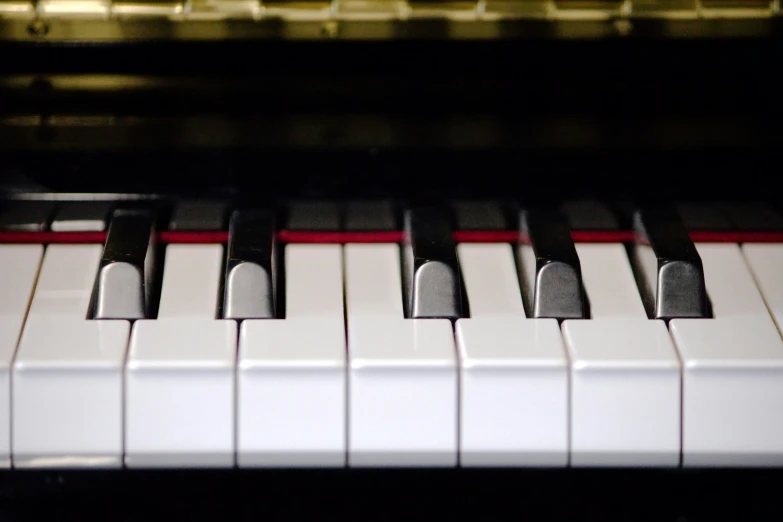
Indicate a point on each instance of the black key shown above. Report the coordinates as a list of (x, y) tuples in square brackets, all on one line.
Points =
[(313, 216), (550, 273), (703, 216), (479, 215), (196, 215), (250, 286), (82, 216), (28, 216), (431, 275), (370, 216), (668, 266), (589, 215), (124, 284)]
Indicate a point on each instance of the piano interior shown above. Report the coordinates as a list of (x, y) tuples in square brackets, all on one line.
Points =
[(391, 259)]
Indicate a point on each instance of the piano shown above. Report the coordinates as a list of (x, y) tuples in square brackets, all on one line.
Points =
[(385, 258)]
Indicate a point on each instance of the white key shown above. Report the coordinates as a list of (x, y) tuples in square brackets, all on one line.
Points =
[(733, 370), (191, 281), (19, 268), (513, 392), (291, 393), (403, 392), (625, 374), (491, 281), (765, 261), (179, 380), (66, 281), (291, 378), (730, 285), (625, 393), (311, 288), (67, 393), (609, 282), (373, 282), (67, 375), (402, 374), (180, 393)]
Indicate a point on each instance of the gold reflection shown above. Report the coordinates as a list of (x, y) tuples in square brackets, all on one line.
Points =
[(589, 5)]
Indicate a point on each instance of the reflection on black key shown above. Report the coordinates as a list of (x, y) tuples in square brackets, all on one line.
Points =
[(668, 266), (81, 216), (430, 268), (754, 217), (703, 216), (28, 216), (550, 273), (250, 284), (589, 215), (370, 216), (313, 215), (479, 215), (195, 215), (124, 281)]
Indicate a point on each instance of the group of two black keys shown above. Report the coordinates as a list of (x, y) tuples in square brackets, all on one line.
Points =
[(665, 260)]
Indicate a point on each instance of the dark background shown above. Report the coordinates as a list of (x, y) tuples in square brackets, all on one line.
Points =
[(528, 118)]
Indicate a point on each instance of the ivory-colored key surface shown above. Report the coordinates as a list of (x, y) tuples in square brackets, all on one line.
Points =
[(733, 370), (490, 280), (291, 385), (179, 378), (191, 281), (513, 392), (765, 261), (625, 374), (66, 281), (67, 375), (19, 265), (513, 370), (402, 372)]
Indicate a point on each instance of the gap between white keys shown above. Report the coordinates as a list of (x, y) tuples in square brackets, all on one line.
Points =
[(765, 261)]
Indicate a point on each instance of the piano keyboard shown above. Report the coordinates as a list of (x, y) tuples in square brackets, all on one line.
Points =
[(367, 335)]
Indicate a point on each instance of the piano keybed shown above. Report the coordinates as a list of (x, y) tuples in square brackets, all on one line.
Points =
[(147, 333)]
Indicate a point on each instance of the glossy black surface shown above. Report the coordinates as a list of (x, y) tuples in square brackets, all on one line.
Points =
[(313, 215), (551, 276), (753, 216), (251, 272), (128, 243), (393, 495), (590, 215), (670, 270), (199, 215), (96, 213), (431, 277), (30, 216), (372, 215), (480, 215), (703, 216)]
